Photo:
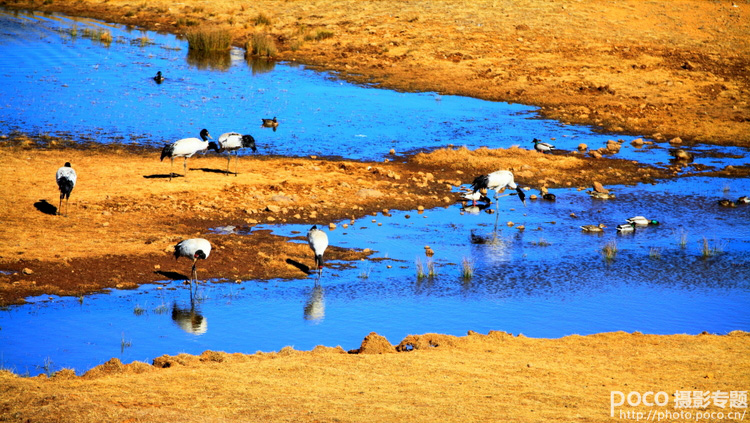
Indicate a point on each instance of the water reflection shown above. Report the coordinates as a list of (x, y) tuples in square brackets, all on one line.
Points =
[(260, 65), (203, 60), (189, 319), (315, 307)]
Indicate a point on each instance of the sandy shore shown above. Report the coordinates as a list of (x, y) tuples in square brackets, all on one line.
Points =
[(662, 68), (483, 378)]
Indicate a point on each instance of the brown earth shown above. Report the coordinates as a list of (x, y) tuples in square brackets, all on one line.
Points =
[(658, 68), (678, 68), (477, 378)]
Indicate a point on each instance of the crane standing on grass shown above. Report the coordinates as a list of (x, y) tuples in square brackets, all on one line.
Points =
[(66, 180)]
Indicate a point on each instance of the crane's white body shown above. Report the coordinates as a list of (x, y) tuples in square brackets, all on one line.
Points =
[(186, 148), (66, 180), (188, 248), (195, 249), (233, 141), (498, 181), (318, 241)]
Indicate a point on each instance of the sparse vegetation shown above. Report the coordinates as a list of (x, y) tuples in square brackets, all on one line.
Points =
[(467, 269), (365, 273), (124, 343), (261, 45), (161, 309), (209, 40), (138, 310), (262, 19), (654, 253), (708, 250), (319, 35), (542, 243), (609, 251), (682, 237), (420, 269), (431, 269)]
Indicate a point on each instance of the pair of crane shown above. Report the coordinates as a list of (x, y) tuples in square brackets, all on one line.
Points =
[(187, 147), (200, 248)]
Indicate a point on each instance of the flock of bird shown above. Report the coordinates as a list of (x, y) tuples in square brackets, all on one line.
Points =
[(200, 248)]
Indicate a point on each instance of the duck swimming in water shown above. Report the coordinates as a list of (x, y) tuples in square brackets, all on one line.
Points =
[(626, 227), (593, 228), (642, 221), (158, 78)]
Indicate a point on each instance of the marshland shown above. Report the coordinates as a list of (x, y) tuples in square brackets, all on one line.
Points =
[(380, 161)]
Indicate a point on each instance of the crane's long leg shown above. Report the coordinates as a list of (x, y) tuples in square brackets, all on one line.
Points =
[(59, 208), (171, 168), (184, 166), (236, 164), (229, 158), (194, 277)]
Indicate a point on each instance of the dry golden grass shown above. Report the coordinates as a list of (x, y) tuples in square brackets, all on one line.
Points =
[(488, 378)]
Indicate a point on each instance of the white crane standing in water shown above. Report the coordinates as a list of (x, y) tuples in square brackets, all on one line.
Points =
[(186, 148), (318, 241), (233, 141), (195, 249), (498, 181), (66, 180)]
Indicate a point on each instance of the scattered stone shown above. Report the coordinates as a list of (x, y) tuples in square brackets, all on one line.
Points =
[(582, 146), (27, 271), (532, 197), (676, 140), (369, 193), (392, 152), (420, 208), (520, 227), (573, 215), (637, 141), (345, 225), (331, 226), (595, 154), (510, 224), (273, 208), (281, 199), (598, 187)]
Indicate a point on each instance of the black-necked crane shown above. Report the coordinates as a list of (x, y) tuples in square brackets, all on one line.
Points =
[(186, 148), (233, 141), (542, 146), (318, 241), (270, 123), (194, 249), (66, 180), (158, 78), (498, 181)]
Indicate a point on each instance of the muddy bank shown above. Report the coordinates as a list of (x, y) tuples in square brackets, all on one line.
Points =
[(430, 377), (662, 69), (126, 216)]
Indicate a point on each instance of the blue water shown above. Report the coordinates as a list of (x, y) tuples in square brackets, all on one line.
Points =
[(54, 83), (549, 280)]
